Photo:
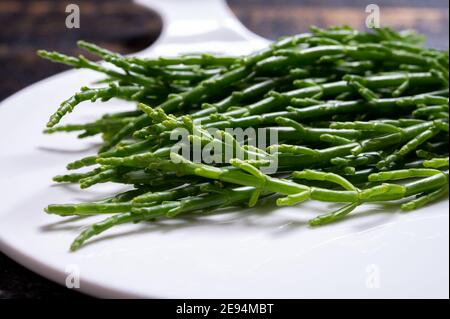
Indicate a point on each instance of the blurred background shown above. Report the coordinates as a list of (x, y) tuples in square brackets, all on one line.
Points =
[(120, 25)]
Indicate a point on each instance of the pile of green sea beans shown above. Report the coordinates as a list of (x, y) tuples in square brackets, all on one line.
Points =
[(360, 118)]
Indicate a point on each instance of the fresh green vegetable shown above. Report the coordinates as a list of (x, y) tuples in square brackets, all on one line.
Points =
[(358, 117)]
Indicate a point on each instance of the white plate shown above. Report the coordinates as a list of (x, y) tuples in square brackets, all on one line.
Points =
[(263, 253)]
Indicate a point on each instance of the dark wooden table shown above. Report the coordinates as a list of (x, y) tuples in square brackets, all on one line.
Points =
[(28, 25)]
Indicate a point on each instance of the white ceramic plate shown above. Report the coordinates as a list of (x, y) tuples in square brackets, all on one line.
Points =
[(263, 253)]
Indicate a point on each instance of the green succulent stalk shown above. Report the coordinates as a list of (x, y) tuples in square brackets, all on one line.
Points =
[(359, 118)]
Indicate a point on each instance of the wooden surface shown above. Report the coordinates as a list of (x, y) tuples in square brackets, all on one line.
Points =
[(28, 25), (272, 19)]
